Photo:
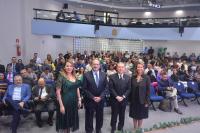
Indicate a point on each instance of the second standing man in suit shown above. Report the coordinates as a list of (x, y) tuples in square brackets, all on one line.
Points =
[(94, 85), (119, 86)]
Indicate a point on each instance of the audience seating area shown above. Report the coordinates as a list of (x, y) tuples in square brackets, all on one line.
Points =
[(187, 71)]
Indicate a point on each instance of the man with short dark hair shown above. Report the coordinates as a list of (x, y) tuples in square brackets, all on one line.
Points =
[(14, 65), (120, 86), (26, 78)]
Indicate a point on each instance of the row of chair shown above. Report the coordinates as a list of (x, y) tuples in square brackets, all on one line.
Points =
[(190, 92)]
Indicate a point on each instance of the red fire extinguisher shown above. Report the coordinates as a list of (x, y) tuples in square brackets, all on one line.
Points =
[(18, 47)]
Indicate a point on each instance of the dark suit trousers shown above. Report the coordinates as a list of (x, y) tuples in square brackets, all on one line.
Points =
[(118, 109), (89, 114), (40, 106), (16, 111)]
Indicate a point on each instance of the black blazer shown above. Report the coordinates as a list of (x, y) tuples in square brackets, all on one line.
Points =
[(119, 87), (144, 89), (90, 87), (2, 68), (17, 67), (49, 90)]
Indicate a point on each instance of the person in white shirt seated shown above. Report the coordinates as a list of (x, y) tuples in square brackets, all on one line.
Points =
[(17, 97), (43, 96), (37, 60)]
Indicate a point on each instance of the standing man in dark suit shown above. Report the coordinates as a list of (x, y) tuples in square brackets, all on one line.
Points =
[(119, 86), (94, 85)]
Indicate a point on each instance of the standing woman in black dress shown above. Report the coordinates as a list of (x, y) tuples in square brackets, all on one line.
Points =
[(139, 96)]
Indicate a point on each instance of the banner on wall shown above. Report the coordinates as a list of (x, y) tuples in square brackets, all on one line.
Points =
[(18, 47)]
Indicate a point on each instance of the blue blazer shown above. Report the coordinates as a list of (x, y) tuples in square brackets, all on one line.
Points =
[(25, 92)]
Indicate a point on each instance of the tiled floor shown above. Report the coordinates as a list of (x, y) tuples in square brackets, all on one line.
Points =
[(28, 125)]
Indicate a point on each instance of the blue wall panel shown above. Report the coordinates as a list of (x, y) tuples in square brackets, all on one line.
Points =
[(46, 27)]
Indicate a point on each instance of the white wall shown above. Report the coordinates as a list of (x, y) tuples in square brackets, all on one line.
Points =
[(16, 17), (181, 47)]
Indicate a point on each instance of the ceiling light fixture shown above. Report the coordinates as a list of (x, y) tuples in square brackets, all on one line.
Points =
[(179, 12), (147, 13)]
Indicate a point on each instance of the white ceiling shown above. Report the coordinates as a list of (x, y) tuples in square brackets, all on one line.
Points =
[(134, 4)]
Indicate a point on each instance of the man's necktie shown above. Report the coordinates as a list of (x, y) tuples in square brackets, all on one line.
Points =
[(13, 70), (40, 93), (9, 76), (120, 76), (97, 79)]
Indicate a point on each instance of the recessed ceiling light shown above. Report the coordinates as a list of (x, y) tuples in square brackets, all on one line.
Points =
[(147, 13), (179, 12)]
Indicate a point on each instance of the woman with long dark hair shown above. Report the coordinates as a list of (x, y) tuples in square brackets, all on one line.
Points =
[(139, 96)]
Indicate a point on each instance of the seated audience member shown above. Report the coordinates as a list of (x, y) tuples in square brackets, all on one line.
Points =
[(76, 17), (174, 77), (169, 92), (49, 61), (129, 64), (111, 69), (43, 96), (16, 97), (36, 59), (79, 74), (151, 76), (193, 66), (26, 78), (88, 67), (80, 64), (9, 75), (197, 76), (192, 57), (109, 20), (47, 75), (59, 66), (176, 56), (60, 15), (182, 73), (14, 65), (3, 88), (151, 72), (2, 68), (190, 73), (20, 64), (184, 57), (31, 74), (58, 59), (33, 65)]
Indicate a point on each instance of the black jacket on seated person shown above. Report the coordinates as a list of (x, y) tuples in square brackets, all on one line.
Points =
[(2, 68), (49, 90)]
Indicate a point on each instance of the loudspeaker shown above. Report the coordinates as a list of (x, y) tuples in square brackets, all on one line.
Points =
[(96, 26), (56, 36), (65, 6), (181, 29)]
